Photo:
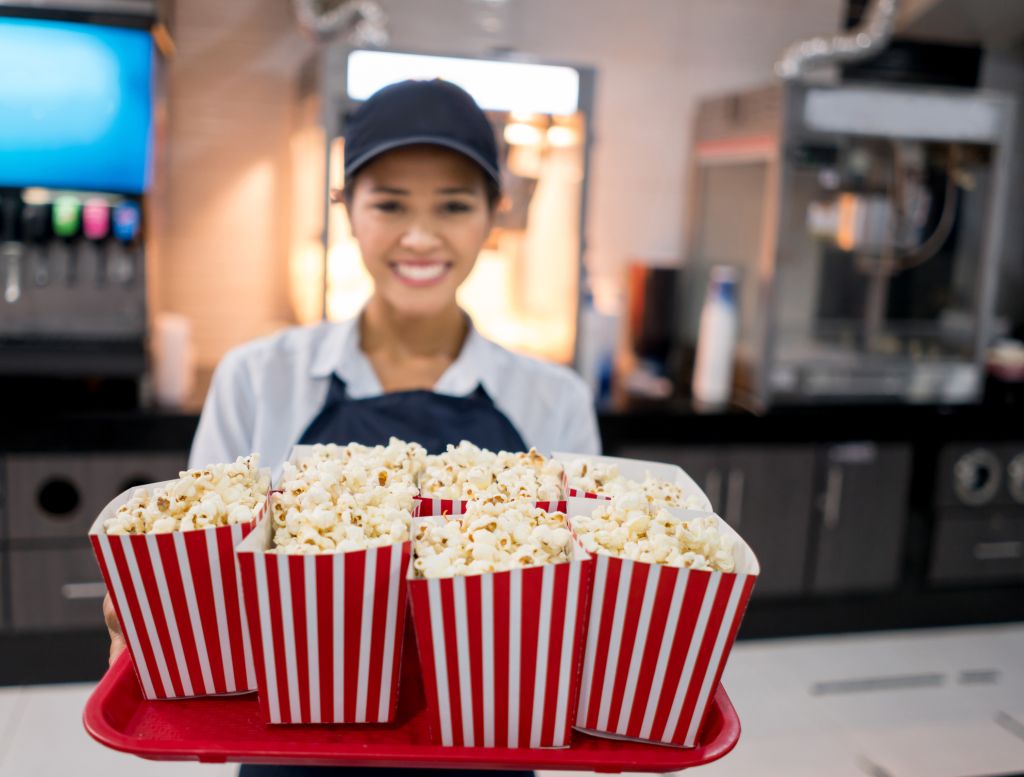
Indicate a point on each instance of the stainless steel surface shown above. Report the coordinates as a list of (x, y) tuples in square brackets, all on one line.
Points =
[(864, 501), (49, 496), (972, 548), (983, 475), (1015, 478), (5, 591), (863, 41), (10, 258), (94, 590), (713, 488), (39, 580), (52, 496), (734, 497), (978, 534), (977, 476), (833, 498), (362, 22)]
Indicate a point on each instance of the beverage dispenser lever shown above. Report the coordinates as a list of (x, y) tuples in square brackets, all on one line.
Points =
[(11, 248), (67, 217)]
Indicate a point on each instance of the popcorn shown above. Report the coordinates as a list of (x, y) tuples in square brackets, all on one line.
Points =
[(604, 479), (398, 460), (491, 538), (630, 527), (204, 498), (466, 472), (344, 498)]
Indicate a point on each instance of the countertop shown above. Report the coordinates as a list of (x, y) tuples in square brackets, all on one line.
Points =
[(666, 422)]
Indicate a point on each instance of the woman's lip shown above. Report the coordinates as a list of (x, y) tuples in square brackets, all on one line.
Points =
[(417, 261)]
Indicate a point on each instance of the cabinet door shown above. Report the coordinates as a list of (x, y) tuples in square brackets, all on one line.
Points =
[(863, 511), (765, 492), (55, 589), (60, 495), (706, 465), (49, 495), (972, 548), (5, 586), (769, 501)]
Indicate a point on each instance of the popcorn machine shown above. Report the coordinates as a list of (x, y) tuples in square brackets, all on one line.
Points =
[(866, 223), (524, 290)]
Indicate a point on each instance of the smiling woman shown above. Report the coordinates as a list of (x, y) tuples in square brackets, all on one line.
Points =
[(423, 183)]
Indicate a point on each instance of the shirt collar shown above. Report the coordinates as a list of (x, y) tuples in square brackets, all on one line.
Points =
[(339, 353)]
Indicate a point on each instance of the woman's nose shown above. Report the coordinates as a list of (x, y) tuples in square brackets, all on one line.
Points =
[(420, 238)]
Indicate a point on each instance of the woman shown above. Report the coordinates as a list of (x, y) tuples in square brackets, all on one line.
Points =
[(422, 185)]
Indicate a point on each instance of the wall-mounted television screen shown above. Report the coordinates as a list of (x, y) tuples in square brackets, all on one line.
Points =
[(75, 106)]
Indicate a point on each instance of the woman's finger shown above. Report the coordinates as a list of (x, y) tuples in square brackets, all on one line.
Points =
[(114, 629)]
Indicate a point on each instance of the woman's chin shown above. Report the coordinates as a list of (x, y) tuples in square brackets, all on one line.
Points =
[(423, 302)]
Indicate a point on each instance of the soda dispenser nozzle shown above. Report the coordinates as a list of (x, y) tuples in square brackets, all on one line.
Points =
[(67, 215), (126, 224), (35, 231), (10, 248), (95, 228)]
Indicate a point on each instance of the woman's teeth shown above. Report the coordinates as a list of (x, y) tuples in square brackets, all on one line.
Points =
[(419, 272)]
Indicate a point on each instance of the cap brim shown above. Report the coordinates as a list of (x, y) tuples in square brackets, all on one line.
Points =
[(421, 140)]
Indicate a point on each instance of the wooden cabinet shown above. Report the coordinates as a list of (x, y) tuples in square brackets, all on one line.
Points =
[(862, 515)]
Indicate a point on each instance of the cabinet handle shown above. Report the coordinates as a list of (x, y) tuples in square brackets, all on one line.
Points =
[(734, 497), (833, 497), (713, 489), (83, 590)]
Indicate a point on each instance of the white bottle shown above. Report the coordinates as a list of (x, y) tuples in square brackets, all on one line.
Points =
[(716, 340)]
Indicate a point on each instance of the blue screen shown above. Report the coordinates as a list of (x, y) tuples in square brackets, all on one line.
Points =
[(75, 106)]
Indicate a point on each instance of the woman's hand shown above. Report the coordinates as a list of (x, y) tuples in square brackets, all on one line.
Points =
[(114, 627)]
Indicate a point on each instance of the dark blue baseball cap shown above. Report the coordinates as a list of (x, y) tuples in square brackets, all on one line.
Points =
[(409, 113)]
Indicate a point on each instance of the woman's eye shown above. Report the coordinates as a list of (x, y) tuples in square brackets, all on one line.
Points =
[(388, 206), (456, 206)]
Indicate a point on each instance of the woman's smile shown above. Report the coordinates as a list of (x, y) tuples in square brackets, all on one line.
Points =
[(419, 272)]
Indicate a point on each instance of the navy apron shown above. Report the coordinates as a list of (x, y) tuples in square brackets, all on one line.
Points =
[(432, 420)]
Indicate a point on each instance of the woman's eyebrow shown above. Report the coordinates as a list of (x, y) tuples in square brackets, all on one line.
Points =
[(456, 190)]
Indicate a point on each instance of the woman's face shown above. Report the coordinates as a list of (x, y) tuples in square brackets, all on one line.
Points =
[(420, 215)]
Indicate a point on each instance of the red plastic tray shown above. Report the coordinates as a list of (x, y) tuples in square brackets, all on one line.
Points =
[(229, 728)]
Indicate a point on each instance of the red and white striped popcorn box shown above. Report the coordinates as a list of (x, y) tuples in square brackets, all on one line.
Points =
[(658, 638), (178, 599), (436, 506), (500, 653), (634, 469), (327, 630)]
